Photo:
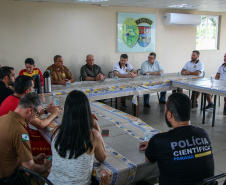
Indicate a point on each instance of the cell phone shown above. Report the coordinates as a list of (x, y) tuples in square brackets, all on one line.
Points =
[(49, 158), (105, 132)]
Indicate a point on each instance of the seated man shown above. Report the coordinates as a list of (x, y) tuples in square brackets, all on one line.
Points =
[(7, 78), (123, 69), (31, 70), (221, 75), (15, 142), (91, 71), (183, 154), (59, 73), (24, 85), (194, 67), (152, 67)]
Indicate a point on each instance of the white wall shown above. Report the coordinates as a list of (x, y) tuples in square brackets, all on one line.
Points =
[(41, 30)]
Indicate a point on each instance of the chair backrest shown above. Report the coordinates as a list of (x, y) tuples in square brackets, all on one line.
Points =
[(110, 74), (32, 176), (80, 78), (212, 180)]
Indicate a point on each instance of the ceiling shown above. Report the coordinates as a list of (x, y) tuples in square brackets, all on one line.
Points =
[(198, 5)]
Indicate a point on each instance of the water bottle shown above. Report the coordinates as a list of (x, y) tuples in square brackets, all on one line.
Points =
[(47, 81), (147, 135), (116, 78), (212, 79)]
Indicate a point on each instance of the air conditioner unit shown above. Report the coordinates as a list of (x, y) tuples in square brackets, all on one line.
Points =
[(182, 19)]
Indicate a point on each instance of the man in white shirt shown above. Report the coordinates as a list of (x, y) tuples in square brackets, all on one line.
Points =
[(221, 75), (123, 69), (194, 67), (152, 67)]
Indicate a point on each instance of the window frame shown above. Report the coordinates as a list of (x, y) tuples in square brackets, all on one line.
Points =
[(216, 45)]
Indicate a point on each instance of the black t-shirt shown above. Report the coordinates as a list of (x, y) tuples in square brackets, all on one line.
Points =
[(4, 92), (184, 155)]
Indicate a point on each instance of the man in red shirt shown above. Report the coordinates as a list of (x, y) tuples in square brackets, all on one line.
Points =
[(31, 70)]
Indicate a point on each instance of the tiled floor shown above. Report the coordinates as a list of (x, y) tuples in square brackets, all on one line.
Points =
[(154, 116)]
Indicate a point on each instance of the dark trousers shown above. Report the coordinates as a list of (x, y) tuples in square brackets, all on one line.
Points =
[(162, 97)]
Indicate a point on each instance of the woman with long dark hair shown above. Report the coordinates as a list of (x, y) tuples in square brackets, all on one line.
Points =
[(75, 142)]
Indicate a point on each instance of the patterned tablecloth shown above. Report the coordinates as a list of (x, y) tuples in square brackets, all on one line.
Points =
[(124, 163), (123, 87), (217, 87)]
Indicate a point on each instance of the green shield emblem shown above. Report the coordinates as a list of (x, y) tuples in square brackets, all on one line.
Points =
[(129, 32)]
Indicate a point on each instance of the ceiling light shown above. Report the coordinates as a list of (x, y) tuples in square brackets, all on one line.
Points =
[(92, 1), (183, 6)]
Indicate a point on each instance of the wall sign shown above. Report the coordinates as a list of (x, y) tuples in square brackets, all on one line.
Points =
[(136, 32)]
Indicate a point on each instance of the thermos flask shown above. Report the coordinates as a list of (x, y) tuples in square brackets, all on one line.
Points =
[(47, 81), (37, 84)]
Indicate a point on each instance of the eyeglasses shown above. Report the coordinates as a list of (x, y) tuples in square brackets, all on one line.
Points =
[(151, 58), (36, 112)]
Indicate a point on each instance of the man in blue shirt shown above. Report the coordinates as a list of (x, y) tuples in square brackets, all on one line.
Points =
[(152, 67)]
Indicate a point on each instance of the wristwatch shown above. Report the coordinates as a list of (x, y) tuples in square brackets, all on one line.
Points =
[(45, 111)]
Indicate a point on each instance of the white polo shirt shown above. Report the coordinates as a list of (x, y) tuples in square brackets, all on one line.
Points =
[(124, 71), (197, 66), (222, 72)]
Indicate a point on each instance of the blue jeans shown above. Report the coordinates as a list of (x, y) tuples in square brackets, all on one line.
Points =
[(162, 97)]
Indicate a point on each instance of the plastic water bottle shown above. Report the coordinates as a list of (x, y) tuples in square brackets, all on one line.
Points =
[(116, 78), (67, 84), (146, 136), (212, 79)]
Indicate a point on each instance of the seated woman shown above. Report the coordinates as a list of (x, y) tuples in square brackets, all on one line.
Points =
[(75, 142)]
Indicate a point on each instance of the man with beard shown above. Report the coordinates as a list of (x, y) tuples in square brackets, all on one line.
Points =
[(183, 154), (194, 67), (7, 78)]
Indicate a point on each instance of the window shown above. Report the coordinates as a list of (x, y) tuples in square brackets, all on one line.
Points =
[(207, 33)]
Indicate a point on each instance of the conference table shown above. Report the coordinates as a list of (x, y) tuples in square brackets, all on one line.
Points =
[(205, 86), (124, 164), (110, 88)]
